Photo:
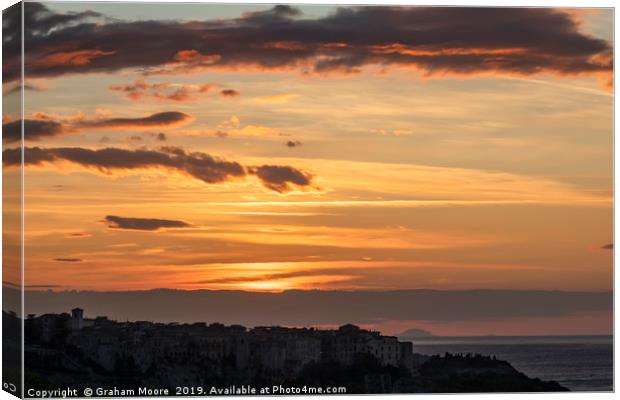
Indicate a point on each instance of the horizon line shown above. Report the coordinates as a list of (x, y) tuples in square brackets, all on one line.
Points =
[(50, 288)]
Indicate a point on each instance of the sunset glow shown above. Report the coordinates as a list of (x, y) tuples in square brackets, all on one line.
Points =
[(297, 162)]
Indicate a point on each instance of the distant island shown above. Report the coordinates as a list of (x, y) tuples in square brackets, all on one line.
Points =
[(67, 349), (415, 333)]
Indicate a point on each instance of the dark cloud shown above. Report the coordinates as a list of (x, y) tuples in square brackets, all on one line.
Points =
[(34, 129), (609, 246), (40, 21), (433, 40), (47, 126), (161, 137), (165, 118), (229, 93), (281, 178), (293, 143), (198, 165), (78, 235), (71, 260), (143, 224)]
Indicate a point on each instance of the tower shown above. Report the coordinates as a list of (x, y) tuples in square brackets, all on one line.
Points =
[(77, 319)]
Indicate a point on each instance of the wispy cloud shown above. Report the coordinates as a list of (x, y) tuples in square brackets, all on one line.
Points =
[(277, 98), (140, 90)]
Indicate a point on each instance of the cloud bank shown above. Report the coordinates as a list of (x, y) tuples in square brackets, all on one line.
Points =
[(431, 40), (299, 307)]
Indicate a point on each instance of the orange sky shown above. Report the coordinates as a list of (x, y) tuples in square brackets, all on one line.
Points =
[(388, 176)]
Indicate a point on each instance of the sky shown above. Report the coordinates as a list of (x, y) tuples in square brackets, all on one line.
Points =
[(272, 148)]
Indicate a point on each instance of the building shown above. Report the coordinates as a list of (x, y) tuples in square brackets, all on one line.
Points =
[(77, 319), (143, 344)]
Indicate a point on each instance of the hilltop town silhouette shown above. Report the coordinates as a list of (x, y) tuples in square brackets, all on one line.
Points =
[(70, 350)]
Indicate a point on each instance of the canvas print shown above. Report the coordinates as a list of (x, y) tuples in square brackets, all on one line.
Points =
[(296, 199)]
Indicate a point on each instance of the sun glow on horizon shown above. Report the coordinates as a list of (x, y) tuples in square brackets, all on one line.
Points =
[(266, 160)]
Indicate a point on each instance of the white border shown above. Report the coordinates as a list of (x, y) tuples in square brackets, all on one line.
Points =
[(521, 3)]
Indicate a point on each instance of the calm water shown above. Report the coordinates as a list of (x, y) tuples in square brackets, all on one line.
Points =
[(580, 363)]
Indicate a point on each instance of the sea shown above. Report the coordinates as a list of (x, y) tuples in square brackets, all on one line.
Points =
[(579, 363)]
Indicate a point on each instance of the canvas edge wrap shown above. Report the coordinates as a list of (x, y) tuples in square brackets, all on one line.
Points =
[(12, 205)]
